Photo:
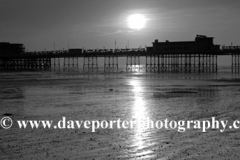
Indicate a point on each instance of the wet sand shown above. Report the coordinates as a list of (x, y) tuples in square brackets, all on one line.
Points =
[(110, 97)]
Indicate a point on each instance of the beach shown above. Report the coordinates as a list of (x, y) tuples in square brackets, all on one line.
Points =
[(125, 96)]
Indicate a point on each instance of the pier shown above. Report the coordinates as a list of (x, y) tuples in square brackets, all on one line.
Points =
[(199, 56), (178, 62)]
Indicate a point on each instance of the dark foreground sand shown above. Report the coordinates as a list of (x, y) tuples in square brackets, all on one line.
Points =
[(129, 97)]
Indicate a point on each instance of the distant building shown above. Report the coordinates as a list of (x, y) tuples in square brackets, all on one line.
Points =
[(75, 51), (201, 43), (10, 49)]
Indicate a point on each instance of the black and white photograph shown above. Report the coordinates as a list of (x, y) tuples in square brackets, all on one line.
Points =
[(119, 80)]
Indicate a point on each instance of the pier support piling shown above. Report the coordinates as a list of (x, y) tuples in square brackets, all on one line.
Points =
[(235, 63), (110, 64), (90, 64), (133, 63), (55, 64), (70, 64)]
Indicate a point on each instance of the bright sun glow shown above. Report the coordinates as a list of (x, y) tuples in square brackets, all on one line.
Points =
[(136, 21)]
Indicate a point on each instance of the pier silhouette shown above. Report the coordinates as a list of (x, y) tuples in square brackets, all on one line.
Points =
[(199, 56)]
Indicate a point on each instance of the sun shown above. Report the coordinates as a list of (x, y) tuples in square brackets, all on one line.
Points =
[(136, 21)]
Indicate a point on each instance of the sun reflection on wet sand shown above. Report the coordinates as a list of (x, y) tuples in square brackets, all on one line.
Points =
[(139, 114)]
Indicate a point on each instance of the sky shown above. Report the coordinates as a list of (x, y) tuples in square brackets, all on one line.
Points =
[(91, 24)]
